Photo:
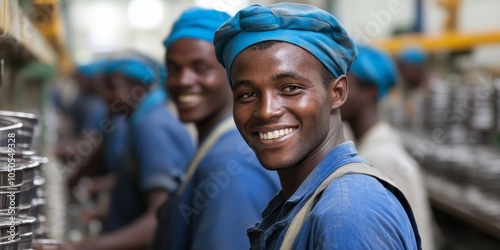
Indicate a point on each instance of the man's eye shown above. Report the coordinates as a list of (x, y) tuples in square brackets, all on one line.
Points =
[(291, 88), (247, 95), (172, 70), (201, 69)]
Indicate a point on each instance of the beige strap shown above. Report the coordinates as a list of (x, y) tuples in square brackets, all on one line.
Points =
[(226, 125), (299, 219)]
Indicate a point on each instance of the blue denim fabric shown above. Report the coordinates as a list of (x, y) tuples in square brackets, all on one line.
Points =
[(355, 212)]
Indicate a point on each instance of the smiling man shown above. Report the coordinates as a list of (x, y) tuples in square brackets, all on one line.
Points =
[(287, 64), (218, 198)]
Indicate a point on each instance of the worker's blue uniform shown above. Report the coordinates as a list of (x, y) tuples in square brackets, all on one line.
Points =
[(115, 143), (159, 149), (87, 112), (224, 198), (355, 212)]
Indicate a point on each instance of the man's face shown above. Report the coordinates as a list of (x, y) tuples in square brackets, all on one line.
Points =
[(118, 92), (196, 81), (412, 74), (107, 89), (281, 106)]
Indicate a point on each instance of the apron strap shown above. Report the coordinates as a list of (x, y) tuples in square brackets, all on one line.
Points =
[(225, 126), (350, 168)]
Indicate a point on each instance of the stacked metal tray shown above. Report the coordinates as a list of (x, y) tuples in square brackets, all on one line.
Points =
[(21, 181)]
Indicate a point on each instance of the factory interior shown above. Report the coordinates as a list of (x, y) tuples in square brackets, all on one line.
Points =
[(53, 117)]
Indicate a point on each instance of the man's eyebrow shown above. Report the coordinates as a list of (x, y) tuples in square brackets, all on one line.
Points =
[(276, 77), (288, 74), (239, 83), (192, 62)]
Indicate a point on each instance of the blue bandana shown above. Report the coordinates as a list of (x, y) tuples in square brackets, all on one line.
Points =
[(375, 67), (135, 69), (196, 23), (92, 69), (306, 26), (412, 55)]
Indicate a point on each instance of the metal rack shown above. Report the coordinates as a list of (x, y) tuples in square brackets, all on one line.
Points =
[(19, 38)]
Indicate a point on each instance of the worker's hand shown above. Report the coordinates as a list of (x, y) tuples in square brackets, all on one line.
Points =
[(84, 245), (89, 215), (46, 247)]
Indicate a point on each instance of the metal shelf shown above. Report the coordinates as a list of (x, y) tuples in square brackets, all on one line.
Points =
[(19, 37), (466, 203)]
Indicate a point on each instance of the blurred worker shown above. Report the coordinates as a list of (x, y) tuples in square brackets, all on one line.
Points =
[(417, 81), (287, 64), (108, 136), (371, 77), (114, 130), (88, 109), (225, 189), (158, 150), (85, 112)]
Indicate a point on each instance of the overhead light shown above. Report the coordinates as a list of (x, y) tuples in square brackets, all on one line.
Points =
[(145, 14), (229, 6)]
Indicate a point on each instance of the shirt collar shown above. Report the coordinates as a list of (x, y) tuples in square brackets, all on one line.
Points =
[(340, 155)]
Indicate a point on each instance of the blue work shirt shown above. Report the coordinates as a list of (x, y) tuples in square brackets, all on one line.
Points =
[(355, 212), (87, 112), (224, 198), (158, 151), (115, 143)]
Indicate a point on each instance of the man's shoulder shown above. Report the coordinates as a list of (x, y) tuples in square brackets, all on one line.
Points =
[(158, 115), (359, 207), (356, 198)]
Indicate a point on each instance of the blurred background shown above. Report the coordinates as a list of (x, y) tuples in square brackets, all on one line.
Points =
[(452, 128)]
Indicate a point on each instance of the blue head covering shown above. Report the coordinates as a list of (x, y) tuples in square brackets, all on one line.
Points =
[(375, 67), (196, 23), (413, 55), (92, 69), (135, 69), (306, 26)]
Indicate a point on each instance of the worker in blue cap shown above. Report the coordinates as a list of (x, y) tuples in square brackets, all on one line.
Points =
[(158, 150), (85, 112), (88, 109), (371, 77), (224, 189), (417, 81), (287, 66)]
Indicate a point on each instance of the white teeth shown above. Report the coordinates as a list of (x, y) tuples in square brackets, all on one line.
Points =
[(188, 98), (275, 134), (270, 135)]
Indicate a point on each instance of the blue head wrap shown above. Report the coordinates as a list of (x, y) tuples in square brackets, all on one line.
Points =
[(196, 23), (413, 55), (92, 69), (306, 26), (134, 69), (375, 67)]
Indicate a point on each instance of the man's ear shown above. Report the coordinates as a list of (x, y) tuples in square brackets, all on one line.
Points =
[(337, 92)]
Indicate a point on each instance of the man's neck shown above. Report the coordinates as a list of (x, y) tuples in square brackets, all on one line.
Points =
[(205, 126), (291, 178)]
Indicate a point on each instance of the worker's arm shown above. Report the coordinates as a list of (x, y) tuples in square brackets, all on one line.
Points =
[(87, 166), (138, 234)]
